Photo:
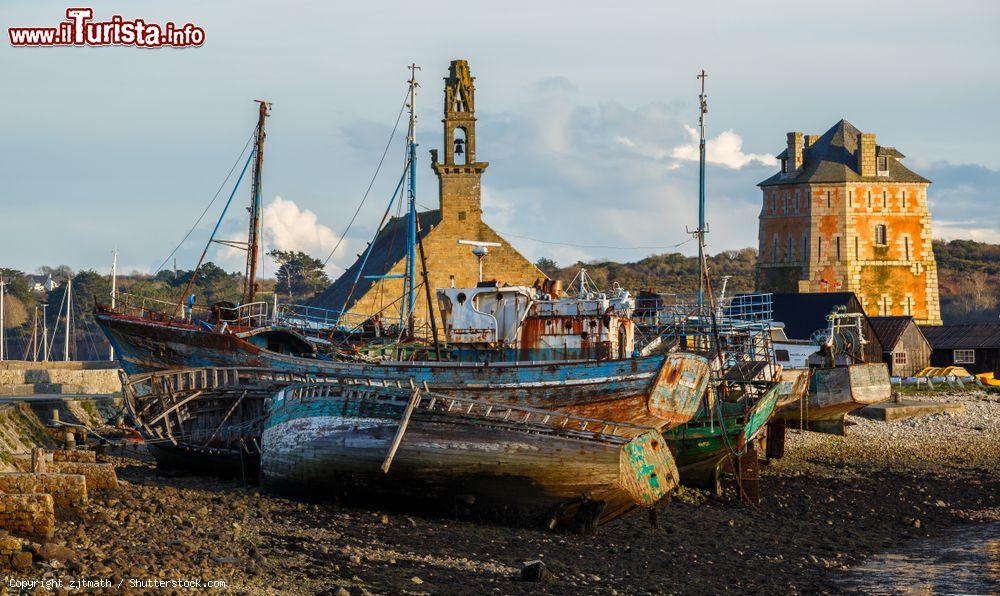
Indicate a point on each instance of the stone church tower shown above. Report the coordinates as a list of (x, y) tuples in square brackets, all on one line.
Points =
[(458, 218), (844, 214)]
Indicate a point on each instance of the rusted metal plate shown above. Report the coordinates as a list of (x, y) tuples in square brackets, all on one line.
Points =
[(648, 471), (679, 388)]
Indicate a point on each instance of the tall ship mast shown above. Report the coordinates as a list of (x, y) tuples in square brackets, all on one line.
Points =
[(253, 237)]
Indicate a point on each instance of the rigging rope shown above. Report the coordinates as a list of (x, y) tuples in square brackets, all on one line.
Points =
[(207, 207), (679, 244), (385, 152)]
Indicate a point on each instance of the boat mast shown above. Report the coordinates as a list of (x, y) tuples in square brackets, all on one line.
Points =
[(2, 338), (253, 239), (700, 232), (69, 316), (114, 291), (411, 236)]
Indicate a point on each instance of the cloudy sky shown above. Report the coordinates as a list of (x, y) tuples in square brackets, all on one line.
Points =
[(586, 113)]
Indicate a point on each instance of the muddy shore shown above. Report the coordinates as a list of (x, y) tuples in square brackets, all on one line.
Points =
[(829, 504)]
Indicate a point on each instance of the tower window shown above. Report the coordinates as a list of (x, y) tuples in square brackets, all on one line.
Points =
[(805, 248), (784, 165), (828, 193), (796, 200), (908, 306), (904, 199), (906, 248), (881, 235), (883, 306), (883, 166), (869, 199), (790, 254), (857, 248), (885, 199), (774, 250), (836, 242), (784, 202), (850, 198), (819, 248)]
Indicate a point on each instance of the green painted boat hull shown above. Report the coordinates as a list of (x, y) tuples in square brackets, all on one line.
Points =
[(701, 446)]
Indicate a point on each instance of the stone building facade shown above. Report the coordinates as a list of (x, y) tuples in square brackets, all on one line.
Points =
[(459, 217), (844, 214)]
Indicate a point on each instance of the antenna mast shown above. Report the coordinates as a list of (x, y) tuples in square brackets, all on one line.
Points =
[(702, 227), (253, 240), (411, 237)]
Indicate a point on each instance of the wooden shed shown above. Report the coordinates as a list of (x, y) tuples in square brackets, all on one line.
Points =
[(905, 350), (974, 346)]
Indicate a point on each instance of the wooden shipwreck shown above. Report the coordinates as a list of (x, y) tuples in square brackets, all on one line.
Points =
[(414, 448)]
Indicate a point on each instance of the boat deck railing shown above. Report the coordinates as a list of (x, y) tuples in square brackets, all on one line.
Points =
[(480, 411), (169, 392)]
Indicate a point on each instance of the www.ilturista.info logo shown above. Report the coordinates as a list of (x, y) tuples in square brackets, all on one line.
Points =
[(79, 29)]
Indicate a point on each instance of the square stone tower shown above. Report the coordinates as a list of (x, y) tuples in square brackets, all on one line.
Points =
[(844, 214), (363, 289)]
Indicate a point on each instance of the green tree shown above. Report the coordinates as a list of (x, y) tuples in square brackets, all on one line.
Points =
[(299, 275), (547, 266)]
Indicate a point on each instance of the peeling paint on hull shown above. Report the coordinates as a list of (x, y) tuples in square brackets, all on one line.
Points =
[(836, 392), (333, 446)]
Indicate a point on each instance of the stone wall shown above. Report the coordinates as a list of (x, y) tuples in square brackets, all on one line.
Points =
[(13, 555), (26, 378), (101, 478), (69, 491), (30, 515)]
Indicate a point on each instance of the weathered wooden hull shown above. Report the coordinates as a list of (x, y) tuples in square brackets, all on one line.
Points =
[(703, 445), (657, 391), (794, 385), (835, 392), (336, 445)]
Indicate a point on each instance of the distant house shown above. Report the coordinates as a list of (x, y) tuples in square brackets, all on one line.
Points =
[(40, 284), (974, 346), (805, 313), (905, 350)]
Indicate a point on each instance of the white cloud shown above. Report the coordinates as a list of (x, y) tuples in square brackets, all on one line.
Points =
[(285, 226), (965, 230), (725, 149)]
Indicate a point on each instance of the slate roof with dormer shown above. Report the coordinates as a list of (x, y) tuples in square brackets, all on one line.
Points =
[(834, 158)]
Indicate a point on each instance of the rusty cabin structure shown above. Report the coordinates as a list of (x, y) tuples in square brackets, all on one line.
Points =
[(973, 346), (905, 349), (845, 215)]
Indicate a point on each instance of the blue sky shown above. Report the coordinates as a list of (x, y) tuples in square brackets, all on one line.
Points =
[(583, 111)]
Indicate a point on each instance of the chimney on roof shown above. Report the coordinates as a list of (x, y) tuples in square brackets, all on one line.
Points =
[(810, 139), (794, 151), (866, 154)]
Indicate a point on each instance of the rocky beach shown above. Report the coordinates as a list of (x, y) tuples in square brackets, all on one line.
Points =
[(829, 505)]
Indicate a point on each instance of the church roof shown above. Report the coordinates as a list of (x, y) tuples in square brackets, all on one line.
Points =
[(388, 248), (834, 158)]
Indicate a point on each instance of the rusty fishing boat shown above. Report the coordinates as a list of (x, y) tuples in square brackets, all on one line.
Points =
[(411, 447), (840, 381)]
